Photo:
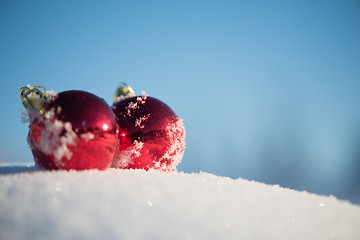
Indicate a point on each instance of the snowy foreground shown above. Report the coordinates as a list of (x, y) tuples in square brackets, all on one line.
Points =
[(134, 204)]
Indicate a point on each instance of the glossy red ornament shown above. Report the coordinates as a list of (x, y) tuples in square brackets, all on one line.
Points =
[(151, 135), (73, 130)]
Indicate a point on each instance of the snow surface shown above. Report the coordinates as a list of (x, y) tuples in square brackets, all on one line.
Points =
[(134, 204)]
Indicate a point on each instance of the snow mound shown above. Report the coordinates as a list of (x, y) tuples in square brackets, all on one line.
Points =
[(134, 204)]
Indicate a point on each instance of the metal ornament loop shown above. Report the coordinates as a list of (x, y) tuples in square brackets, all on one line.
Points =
[(124, 90), (33, 98)]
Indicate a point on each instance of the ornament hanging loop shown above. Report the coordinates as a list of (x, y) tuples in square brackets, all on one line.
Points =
[(124, 90), (33, 97)]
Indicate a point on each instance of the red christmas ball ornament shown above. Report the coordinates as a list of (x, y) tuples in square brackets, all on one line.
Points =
[(70, 130), (151, 135)]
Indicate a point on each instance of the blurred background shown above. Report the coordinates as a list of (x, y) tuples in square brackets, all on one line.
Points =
[(268, 90)]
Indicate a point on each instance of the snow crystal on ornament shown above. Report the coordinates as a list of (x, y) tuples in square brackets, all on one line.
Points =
[(87, 136), (122, 97), (142, 99), (175, 151), (69, 138), (50, 95), (124, 157), (138, 121), (54, 136), (130, 107), (119, 98), (145, 95)]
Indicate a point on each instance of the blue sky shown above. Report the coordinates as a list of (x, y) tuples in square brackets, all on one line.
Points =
[(268, 90)]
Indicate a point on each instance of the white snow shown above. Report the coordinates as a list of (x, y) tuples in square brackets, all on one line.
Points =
[(144, 94), (87, 136), (125, 157), (139, 121), (135, 204), (130, 107), (51, 140), (175, 151), (120, 98)]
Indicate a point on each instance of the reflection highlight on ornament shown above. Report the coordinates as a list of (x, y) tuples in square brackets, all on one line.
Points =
[(123, 134), (105, 127)]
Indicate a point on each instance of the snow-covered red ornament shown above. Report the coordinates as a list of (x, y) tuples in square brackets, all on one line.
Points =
[(69, 130), (151, 135)]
